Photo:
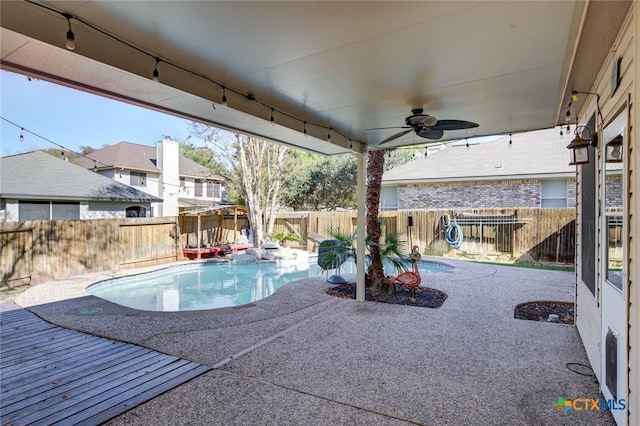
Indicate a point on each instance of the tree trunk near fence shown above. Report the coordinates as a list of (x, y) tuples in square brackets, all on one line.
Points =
[(376, 280), (250, 154)]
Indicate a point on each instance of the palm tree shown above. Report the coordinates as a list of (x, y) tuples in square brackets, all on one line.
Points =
[(391, 252), (376, 279)]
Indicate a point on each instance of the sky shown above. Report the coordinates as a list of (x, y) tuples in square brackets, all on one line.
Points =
[(73, 118)]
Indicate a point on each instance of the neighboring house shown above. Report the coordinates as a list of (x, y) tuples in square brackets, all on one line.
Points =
[(531, 171), (38, 186), (160, 171)]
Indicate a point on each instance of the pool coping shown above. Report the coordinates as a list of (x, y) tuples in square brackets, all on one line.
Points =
[(301, 352), (76, 287)]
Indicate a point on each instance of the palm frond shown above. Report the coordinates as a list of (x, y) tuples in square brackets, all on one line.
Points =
[(346, 238)]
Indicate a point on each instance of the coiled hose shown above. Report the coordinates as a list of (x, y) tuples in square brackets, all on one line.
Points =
[(453, 235)]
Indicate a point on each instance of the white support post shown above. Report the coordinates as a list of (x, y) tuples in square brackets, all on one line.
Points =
[(361, 225)]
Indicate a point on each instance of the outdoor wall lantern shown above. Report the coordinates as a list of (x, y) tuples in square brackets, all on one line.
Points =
[(579, 146), (614, 150)]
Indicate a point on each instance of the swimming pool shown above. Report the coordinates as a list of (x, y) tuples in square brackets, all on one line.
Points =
[(211, 285)]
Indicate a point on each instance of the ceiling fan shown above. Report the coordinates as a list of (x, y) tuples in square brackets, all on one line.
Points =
[(426, 126)]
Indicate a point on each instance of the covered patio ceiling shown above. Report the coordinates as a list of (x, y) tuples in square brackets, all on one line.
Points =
[(332, 68)]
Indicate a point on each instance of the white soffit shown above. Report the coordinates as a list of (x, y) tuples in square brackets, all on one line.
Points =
[(349, 66)]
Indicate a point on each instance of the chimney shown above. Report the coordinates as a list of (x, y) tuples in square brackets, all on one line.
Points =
[(168, 160)]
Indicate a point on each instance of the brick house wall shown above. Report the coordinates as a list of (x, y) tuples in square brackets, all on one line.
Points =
[(479, 194)]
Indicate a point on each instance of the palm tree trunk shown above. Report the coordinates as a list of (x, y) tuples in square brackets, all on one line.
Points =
[(376, 279)]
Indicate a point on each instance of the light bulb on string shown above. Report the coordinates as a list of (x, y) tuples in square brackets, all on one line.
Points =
[(329, 135), (156, 74), (426, 152), (510, 141), (467, 143), (224, 96), (71, 39), (561, 133), (304, 128), (272, 118), (21, 134)]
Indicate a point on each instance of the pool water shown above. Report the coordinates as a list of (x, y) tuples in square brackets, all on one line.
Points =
[(213, 285)]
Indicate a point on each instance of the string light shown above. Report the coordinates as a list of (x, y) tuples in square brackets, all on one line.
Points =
[(467, 143), (304, 128), (62, 148), (575, 98), (561, 134), (350, 144), (510, 141), (329, 135), (71, 39), (76, 153), (156, 74), (426, 151), (272, 118)]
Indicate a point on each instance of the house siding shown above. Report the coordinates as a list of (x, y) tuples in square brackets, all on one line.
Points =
[(88, 210), (634, 232), (589, 312), (479, 194), (171, 182)]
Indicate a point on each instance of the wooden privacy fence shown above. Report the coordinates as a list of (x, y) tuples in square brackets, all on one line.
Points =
[(35, 251), (523, 233)]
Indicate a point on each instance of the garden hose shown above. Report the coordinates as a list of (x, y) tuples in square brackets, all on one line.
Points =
[(453, 235)]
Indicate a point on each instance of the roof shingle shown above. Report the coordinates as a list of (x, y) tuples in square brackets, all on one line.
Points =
[(38, 175), (132, 156), (536, 153)]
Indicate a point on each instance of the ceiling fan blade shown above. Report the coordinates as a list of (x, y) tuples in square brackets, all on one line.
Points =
[(396, 136), (394, 127), (431, 133), (454, 125)]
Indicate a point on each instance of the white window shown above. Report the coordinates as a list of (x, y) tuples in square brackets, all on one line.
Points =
[(137, 179), (389, 198), (553, 193), (46, 210), (62, 210), (213, 190)]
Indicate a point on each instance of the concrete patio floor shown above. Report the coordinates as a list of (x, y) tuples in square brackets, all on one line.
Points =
[(303, 357)]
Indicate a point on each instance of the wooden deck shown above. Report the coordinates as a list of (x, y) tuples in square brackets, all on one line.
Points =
[(52, 375)]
